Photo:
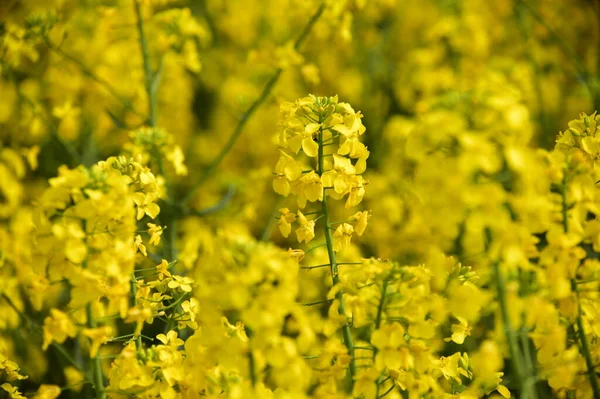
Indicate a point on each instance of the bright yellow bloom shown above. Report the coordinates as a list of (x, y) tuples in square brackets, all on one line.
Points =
[(13, 392), (287, 170), (47, 392), (139, 245), (170, 339), (99, 336), (155, 233), (183, 283), (285, 221), (342, 237), (362, 219), (306, 231), (57, 328), (9, 370)]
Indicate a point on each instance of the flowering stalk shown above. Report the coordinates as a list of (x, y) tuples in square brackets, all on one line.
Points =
[(333, 265), (585, 346), (307, 125)]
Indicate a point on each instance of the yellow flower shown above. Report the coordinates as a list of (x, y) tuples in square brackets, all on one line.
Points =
[(47, 392), (145, 205), (297, 254), (306, 231), (287, 170), (177, 159), (57, 327), (13, 392), (340, 176), (388, 340), (138, 315), (163, 269), (184, 283), (9, 370), (361, 218), (170, 339), (459, 331), (139, 245), (342, 237), (357, 192), (190, 308), (239, 329), (155, 233), (74, 378), (502, 390), (287, 217), (99, 336), (449, 367), (311, 188)]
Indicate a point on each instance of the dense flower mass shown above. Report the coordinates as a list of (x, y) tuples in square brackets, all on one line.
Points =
[(179, 218)]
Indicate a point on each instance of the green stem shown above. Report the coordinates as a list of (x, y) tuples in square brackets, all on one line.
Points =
[(266, 234), (511, 338), (563, 194), (328, 264), (147, 69), (380, 308), (531, 379), (133, 303), (317, 302), (239, 128), (170, 219), (585, 348), (97, 377), (346, 333), (252, 367)]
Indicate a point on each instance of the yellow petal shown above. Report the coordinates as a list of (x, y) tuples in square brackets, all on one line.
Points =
[(310, 148)]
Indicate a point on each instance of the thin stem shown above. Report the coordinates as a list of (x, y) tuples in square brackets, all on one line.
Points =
[(515, 354), (133, 303), (387, 392), (266, 234), (585, 348), (380, 308), (223, 202), (563, 194), (239, 128), (531, 391), (97, 378), (315, 247), (252, 367), (346, 333), (147, 68), (318, 302), (328, 264)]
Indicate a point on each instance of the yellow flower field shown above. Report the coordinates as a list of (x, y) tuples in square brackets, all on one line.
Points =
[(288, 199)]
